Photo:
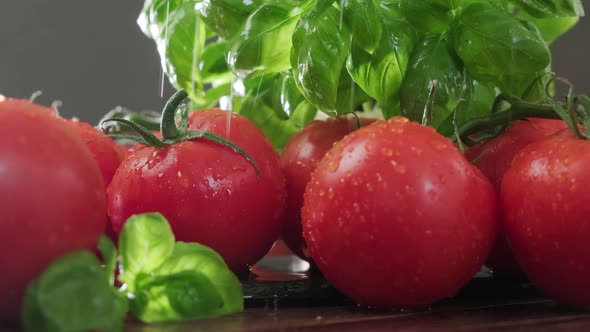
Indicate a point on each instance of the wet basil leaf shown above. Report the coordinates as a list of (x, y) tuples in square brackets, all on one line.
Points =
[(381, 74), (173, 297), (320, 49), (194, 257), (212, 65), (552, 8), (432, 60), (262, 103), (145, 243), (73, 294), (494, 44), (154, 16), (227, 17), (363, 20), (264, 44), (427, 15)]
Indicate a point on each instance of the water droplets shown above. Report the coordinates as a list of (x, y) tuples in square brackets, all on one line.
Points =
[(398, 168), (387, 152)]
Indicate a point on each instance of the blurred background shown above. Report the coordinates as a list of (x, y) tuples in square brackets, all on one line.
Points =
[(92, 56)]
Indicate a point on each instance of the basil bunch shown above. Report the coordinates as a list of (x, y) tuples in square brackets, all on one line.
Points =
[(280, 61)]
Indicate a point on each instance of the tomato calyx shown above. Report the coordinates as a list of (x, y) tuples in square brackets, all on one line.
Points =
[(172, 133)]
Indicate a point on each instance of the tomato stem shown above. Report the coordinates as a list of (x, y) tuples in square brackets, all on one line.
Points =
[(168, 124)]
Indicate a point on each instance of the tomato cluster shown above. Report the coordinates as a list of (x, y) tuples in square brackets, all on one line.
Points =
[(391, 212)]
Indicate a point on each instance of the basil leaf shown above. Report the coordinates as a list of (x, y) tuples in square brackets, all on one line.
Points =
[(495, 45), (433, 59), (362, 18), (109, 255), (212, 65), (320, 49), (154, 15), (350, 95), (432, 16), (553, 28), (205, 261), (381, 74), (552, 8), (145, 243), (227, 17), (265, 43), (72, 295), (263, 105), (173, 297)]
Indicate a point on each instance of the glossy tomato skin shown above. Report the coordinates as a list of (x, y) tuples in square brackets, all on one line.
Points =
[(395, 216), (493, 157), (107, 153), (299, 158), (52, 196), (545, 199), (208, 192)]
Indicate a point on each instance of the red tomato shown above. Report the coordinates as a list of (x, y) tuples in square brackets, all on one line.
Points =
[(300, 156), (52, 197), (545, 199), (395, 216), (107, 153), (209, 193), (493, 158)]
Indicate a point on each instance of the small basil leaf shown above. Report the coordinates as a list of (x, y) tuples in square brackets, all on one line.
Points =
[(381, 74), (362, 18), (72, 295), (145, 242), (433, 59), (552, 8), (494, 44), (320, 49), (265, 43), (109, 255), (205, 261), (350, 95), (173, 297), (227, 17)]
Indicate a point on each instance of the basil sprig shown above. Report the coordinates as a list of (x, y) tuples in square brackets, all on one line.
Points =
[(163, 281), (345, 54)]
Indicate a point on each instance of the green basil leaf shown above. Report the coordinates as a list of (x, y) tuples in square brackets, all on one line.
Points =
[(349, 95), (362, 18), (212, 63), (109, 255), (320, 49), (154, 16), (432, 16), (145, 243), (381, 74), (173, 297), (291, 98), (72, 295), (227, 17), (552, 8), (553, 28), (494, 44), (263, 104), (265, 43), (194, 257), (433, 59)]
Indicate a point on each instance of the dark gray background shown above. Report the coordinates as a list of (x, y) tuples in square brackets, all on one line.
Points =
[(92, 56)]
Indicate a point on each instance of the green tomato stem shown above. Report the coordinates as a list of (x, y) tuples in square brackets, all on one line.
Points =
[(168, 124)]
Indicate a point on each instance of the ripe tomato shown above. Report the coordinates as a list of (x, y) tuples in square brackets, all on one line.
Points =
[(395, 216), (545, 199), (299, 158), (209, 193), (107, 153), (52, 197), (493, 158)]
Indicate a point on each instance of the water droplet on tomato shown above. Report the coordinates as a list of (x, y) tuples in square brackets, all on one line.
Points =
[(330, 193), (387, 152), (333, 166), (368, 147)]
